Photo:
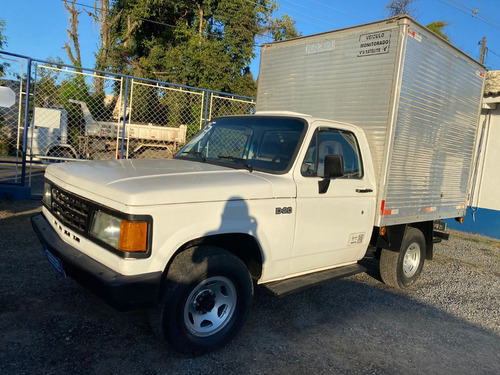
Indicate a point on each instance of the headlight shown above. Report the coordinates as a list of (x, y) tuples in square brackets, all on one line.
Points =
[(124, 235), (47, 194)]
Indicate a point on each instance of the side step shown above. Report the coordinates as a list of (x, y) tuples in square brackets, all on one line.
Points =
[(284, 287)]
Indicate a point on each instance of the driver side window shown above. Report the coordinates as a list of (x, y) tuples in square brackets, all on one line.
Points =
[(332, 142)]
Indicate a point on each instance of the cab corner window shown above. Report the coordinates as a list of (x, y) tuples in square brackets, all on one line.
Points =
[(332, 142)]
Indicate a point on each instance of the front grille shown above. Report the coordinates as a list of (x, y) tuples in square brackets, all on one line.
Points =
[(71, 210), (76, 213)]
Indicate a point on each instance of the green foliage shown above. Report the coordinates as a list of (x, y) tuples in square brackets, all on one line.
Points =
[(146, 105), (284, 28), (437, 27), (3, 38), (400, 7), (3, 44), (48, 85), (201, 43), (55, 87)]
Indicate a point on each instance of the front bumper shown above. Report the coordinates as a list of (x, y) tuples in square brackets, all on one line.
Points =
[(120, 291)]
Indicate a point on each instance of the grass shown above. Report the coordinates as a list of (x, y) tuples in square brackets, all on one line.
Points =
[(493, 243)]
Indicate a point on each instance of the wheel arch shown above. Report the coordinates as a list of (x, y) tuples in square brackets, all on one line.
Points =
[(393, 238), (427, 229), (242, 245), (189, 314), (56, 150)]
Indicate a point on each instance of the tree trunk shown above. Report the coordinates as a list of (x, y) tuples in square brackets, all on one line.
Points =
[(102, 16), (200, 27), (73, 54)]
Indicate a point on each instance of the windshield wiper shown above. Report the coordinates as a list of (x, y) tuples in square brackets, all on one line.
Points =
[(239, 161), (197, 154)]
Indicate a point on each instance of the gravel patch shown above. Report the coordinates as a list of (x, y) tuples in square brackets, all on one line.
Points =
[(448, 323)]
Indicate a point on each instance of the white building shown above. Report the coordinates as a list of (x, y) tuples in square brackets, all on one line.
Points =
[(483, 215)]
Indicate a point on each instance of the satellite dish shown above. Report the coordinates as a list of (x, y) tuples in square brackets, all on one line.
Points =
[(7, 97)]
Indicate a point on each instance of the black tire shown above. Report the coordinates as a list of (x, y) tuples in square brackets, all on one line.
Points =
[(65, 153), (205, 300), (62, 153), (401, 269), (104, 155)]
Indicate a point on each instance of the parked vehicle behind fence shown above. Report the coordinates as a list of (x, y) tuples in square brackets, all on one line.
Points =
[(50, 136)]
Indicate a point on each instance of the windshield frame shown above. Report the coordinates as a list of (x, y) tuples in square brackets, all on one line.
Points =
[(236, 162)]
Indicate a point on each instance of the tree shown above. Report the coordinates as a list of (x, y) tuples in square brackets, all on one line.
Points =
[(3, 38), (48, 84), (437, 27), (106, 21), (283, 28), (3, 44), (400, 7), (73, 52), (204, 43)]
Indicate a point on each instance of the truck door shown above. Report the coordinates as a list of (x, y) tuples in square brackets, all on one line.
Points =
[(333, 227)]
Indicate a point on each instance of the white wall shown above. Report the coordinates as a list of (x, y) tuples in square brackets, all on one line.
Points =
[(486, 192)]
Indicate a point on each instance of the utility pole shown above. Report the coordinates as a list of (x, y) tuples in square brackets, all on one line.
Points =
[(483, 50)]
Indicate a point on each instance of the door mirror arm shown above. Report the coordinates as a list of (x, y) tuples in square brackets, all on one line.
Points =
[(323, 185), (334, 167)]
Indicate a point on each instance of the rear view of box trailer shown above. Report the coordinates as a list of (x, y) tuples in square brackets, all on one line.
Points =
[(416, 97)]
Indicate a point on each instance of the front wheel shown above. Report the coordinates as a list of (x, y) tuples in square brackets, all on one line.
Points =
[(205, 301), (401, 269)]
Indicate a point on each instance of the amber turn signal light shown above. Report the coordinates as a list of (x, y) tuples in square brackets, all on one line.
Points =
[(133, 236)]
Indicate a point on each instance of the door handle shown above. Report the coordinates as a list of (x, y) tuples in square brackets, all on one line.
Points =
[(364, 190)]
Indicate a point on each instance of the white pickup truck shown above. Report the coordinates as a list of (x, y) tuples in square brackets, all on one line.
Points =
[(282, 199)]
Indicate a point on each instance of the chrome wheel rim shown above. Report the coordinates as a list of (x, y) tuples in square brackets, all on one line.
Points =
[(210, 306), (411, 260)]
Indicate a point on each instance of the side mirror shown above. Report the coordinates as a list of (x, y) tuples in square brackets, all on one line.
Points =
[(334, 167)]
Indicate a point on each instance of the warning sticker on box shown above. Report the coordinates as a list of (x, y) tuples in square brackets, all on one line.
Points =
[(374, 43)]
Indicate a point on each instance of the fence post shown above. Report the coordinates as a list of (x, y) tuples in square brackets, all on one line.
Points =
[(124, 126), (26, 121), (206, 108)]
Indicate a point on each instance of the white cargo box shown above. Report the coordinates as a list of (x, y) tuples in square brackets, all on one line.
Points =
[(416, 96)]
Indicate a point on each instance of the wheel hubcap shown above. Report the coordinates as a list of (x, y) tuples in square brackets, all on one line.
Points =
[(210, 306), (205, 301), (411, 260)]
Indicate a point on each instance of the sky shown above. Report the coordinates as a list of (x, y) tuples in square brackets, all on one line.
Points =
[(37, 28)]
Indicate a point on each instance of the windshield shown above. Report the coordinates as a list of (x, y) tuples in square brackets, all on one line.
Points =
[(261, 143)]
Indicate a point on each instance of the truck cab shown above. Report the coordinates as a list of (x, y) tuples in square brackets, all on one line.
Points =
[(322, 221), (48, 134)]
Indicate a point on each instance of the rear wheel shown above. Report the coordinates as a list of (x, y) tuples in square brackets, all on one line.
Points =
[(400, 269), (205, 300), (64, 153)]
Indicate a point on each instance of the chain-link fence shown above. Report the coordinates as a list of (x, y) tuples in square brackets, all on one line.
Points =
[(13, 77), (76, 113)]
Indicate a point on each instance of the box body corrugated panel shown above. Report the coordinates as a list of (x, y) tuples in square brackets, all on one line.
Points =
[(416, 97)]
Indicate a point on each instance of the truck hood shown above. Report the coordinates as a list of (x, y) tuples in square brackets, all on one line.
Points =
[(151, 182)]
